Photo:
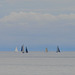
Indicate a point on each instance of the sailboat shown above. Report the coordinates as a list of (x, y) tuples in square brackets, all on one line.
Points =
[(46, 50), (16, 50), (58, 50), (26, 50), (22, 48)]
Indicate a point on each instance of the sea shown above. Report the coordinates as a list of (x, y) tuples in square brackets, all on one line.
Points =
[(37, 63)]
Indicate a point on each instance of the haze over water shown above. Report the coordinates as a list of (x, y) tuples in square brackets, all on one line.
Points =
[(37, 63)]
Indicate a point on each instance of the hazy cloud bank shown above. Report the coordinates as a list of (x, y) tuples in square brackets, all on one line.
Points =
[(38, 29), (26, 17), (32, 23)]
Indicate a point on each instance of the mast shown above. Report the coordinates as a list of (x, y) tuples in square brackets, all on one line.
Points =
[(58, 50), (22, 49)]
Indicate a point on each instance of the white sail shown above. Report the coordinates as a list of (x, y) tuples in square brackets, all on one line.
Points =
[(16, 50)]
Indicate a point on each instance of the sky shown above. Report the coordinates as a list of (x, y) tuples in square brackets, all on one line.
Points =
[(38, 24)]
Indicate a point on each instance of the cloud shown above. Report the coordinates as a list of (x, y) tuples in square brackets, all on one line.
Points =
[(35, 21), (22, 16), (38, 28), (32, 23), (31, 16)]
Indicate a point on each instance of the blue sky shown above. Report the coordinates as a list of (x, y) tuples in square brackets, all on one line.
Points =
[(37, 24)]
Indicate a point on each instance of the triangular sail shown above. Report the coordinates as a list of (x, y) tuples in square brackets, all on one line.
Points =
[(58, 50), (22, 49), (16, 50), (26, 50), (46, 50)]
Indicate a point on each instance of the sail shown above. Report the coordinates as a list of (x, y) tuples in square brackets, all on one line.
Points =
[(26, 50), (46, 50), (16, 50), (58, 50), (22, 49)]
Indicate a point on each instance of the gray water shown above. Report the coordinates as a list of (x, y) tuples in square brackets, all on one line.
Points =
[(37, 63)]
